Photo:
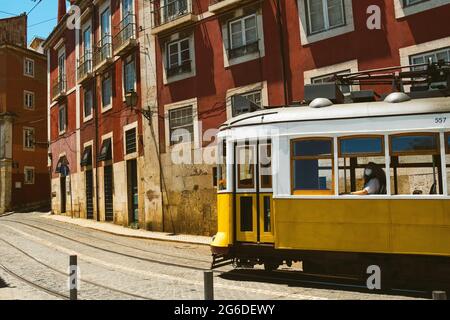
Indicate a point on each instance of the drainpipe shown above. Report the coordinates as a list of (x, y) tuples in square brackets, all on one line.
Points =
[(283, 55)]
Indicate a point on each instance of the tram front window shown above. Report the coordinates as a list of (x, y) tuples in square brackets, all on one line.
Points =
[(246, 167), (312, 166), (415, 164), (362, 165)]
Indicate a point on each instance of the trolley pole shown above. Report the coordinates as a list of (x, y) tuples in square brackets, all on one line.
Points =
[(73, 277), (209, 285)]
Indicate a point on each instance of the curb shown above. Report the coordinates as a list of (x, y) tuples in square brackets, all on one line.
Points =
[(135, 237), (7, 214)]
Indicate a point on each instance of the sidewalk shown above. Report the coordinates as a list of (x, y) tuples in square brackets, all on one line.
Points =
[(127, 232)]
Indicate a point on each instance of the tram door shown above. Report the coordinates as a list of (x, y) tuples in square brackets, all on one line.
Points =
[(254, 205)]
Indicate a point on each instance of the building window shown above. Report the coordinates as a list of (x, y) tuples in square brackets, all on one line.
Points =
[(408, 3), (129, 74), (28, 102), (174, 9), (28, 138), (178, 57), (243, 36), (181, 125), (62, 119), (28, 67), (324, 15), (433, 56), (244, 103), (130, 141), (28, 175), (105, 150), (312, 166), (329, 78), (106, 90), (86, 159), (88, 103)]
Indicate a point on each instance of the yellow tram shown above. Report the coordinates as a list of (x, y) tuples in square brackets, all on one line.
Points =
[(286, 178)]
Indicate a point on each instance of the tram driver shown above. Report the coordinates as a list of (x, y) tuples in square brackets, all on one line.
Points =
[(374, 180)]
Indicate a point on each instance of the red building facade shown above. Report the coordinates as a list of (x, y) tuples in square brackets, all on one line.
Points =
[(24, 177), (212, 53), (197, 64), (95, 136)]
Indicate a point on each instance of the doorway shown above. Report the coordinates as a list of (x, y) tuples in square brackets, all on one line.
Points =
[(133, 208), (62, 182), (108, 187), (253, 188), (89, 194)]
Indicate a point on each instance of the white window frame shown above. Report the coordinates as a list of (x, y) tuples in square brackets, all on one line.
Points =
[(239, 13), (133, 57), (351, 65), (246, 94), (259, 86), (306, 38), (407, 52), (110, 135), (32, 131), (173, 38), (26, 95), (431, 52), (89, 117), (108, 106), (195, 143), (106, 5), (241, 21), (133, 155), (326, 17), (401, 11), (26, 63), (32, 169), (178, 45), (64, 107)]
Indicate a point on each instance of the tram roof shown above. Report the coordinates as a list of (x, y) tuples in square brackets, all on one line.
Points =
[(339, 111)]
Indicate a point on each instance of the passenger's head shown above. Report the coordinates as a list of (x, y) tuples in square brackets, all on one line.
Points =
[(373, 170)]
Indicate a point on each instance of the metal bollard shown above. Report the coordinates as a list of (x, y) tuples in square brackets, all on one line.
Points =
[(73, 277), (209, 285), (439, 295)]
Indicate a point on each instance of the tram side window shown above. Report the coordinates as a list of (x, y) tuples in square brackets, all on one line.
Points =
[(415, 164), (362, 168), (312, 166), (265, 165), (222, 166), (246, 166)]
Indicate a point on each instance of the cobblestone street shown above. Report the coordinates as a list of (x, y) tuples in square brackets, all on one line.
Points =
[(35, 253)]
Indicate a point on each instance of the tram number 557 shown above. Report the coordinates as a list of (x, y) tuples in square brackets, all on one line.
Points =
[(440, 120)]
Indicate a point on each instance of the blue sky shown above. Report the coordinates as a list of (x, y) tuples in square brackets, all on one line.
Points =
[(41, 20)]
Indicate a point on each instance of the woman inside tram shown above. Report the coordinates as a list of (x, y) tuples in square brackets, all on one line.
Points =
[(374, 180)]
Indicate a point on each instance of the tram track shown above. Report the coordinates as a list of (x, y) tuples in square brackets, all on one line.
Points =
[(278, 276), (87, 235), (65, 274), (33, 284)]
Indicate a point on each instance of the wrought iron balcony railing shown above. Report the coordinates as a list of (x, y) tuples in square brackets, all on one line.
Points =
[(126, 34), (85, 66), (243, 50), (169, 10), (103, 51), (60, 87), (184, 67)]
